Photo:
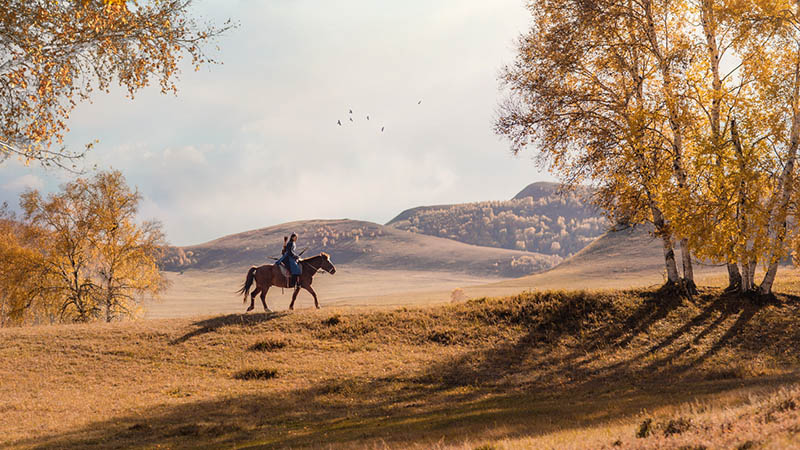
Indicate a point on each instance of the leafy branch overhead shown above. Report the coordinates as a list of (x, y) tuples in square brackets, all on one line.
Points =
[(55, 54)]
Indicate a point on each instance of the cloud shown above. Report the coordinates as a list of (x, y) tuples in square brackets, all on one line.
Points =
[(22, 183), (254, 142), (183, 155)]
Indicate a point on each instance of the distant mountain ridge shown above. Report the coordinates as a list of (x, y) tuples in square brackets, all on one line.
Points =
[(532, 232), (540, 219), (541, 189), (357, 243)]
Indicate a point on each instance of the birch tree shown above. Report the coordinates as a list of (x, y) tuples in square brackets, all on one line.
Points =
[(775, 63), (682, 113), (587, 94)]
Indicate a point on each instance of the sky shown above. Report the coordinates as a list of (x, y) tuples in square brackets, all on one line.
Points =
[(254, 141)]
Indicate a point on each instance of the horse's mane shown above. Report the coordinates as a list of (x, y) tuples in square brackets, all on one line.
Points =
[(321, 255)]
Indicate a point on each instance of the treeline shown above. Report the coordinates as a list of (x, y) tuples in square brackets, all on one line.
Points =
[(555, 224), (683, 114), (78, 255)]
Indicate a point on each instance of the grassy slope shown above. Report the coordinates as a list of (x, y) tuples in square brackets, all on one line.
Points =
[(629, 258), (536, 370)]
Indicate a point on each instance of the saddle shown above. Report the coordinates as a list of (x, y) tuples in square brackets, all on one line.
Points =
[(285, 272)]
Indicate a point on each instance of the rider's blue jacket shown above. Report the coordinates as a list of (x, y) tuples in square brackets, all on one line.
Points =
[(290, 250), (290, 257)]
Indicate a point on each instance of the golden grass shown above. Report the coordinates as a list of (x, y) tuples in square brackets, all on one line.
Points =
[(544, 370)]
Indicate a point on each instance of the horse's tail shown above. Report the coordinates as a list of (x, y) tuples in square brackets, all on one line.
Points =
[(248, 282)]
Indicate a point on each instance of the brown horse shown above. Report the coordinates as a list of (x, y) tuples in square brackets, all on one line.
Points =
[(270, 275)]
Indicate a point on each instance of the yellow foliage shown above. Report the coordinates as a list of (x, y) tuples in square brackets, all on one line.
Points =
[(56, 54), (79, 255), (683, 114)]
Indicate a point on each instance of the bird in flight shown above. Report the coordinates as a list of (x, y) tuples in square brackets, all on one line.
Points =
[(367, 117), (419, 102), (339, 122), (351, 111), (382, 129), (351, 119)]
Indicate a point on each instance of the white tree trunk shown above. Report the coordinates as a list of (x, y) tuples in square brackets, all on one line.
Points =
[(709, 22), (669, 253), (686, 257), (747, 280), (673, 115), (783, 194), (734, 278)]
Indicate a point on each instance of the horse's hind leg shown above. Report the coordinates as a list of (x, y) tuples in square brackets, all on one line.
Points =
[(314, 294), (253, 299), (264, 299)]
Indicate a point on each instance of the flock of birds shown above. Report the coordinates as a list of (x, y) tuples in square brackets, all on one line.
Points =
[(339, 121)]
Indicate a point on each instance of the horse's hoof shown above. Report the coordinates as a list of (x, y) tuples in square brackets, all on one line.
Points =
[(249, 309), (267, 310), (291, 308), (317, 306)]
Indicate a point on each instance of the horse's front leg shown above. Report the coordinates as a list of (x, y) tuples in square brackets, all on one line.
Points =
[(253, 299), (314, 294), (264, 299), (294, 297)]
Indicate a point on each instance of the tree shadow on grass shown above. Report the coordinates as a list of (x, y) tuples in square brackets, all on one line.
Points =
[(387, 412), (656, 306), (583, 364), (570, 318), (214, 323)]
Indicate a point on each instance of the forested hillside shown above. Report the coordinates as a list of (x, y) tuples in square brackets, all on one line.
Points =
[(538, 219)]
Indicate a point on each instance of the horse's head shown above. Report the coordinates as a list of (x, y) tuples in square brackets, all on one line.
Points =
[(327, 265)]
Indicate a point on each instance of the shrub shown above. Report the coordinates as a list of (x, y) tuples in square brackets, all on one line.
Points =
[(645, 429), (332, 320), (267, 345), (255, 374)]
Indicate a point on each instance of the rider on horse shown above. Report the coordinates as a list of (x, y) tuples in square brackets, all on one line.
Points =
[(289, 258)]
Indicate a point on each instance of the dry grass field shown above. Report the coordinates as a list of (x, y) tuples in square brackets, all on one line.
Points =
[(624, 259), (198, 292), (559, 369)]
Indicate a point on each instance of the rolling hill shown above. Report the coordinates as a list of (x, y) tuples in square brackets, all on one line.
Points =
[(538, 219), (361, 244)]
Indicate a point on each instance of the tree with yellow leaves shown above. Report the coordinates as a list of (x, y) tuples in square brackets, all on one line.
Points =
[(683, 113), (79, 255), (59, 229), (54, 54), (20, 288), (771, 57), (125, 254), (587, 93)]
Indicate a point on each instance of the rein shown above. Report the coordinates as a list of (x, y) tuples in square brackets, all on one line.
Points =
[(316, 269)]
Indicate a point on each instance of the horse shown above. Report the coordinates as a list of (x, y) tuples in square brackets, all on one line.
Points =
[(270, 275)]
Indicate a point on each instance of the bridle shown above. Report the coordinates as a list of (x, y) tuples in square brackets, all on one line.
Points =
[(316, 269)]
